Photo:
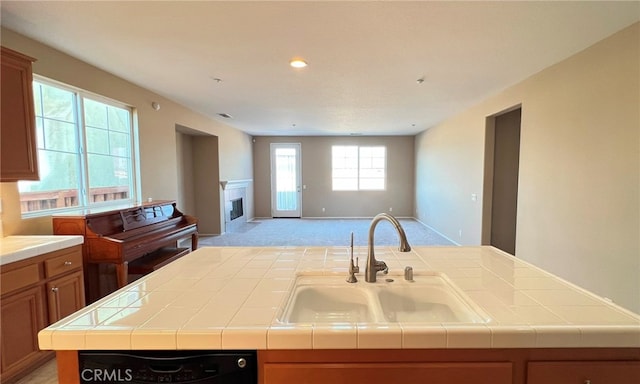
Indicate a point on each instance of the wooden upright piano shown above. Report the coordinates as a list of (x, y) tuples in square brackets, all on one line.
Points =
[(134, 240)]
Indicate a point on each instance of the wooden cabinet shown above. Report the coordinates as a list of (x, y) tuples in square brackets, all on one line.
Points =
[(384, 373), (66, 296), (582, 372), (385, 366), (22, 317), (450, 366), (35, 293), (18, 150), (431, 366)]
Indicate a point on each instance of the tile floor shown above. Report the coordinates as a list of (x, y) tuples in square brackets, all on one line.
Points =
[(46, 374)]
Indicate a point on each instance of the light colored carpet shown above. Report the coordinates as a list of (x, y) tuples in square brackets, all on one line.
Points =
[(321, 232)]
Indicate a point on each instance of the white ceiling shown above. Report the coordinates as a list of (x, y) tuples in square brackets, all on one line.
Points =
[(364, 57)]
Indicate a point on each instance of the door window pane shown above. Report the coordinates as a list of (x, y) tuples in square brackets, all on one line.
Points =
[(286, 179)]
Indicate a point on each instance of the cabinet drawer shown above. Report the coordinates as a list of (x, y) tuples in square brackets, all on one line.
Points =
[(66, 262), (580, 372), (20, 278)]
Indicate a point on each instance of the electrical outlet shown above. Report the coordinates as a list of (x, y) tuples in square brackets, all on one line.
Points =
[(322, 209), (460, 233), (390, 209)]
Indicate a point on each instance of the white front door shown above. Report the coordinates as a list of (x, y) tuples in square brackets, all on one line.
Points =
[(286, 196)]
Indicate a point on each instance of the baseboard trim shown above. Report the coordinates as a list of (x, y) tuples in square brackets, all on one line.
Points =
[(332, 218), (438, 232)]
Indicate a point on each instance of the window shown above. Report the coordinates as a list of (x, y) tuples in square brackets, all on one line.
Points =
[(85, 151), (358, 168)]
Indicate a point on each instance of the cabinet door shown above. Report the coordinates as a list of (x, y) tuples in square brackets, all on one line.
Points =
[(385, 373), (18, 146), (22, 318), (581, 372), (66, 296)]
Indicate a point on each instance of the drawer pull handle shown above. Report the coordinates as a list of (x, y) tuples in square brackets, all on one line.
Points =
[(67, 263), (587, 381), (54, 289)]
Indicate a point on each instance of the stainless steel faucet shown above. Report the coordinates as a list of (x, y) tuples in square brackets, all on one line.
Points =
[(353, 268), (374, 266)]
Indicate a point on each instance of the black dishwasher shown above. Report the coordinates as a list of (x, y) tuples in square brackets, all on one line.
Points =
[(185, 367)]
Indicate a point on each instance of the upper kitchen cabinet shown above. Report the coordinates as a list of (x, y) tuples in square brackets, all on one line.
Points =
[(18, 155)]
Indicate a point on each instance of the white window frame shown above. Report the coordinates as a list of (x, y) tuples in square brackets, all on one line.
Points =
[(357, 178), (84, 203)]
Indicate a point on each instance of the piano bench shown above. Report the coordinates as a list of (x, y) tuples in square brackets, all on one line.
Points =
[(156, 260)]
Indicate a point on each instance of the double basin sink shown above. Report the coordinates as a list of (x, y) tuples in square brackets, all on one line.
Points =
[(329, 299)]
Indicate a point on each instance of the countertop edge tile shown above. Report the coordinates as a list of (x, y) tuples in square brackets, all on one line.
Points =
[(290, 337), (244, 338), (464, 336), (68, 339), (417, 337), (108, 339), (378, 336), (512, 336), (44, 339), (557, 336), (154, 339), (343, 337), (199, 339)]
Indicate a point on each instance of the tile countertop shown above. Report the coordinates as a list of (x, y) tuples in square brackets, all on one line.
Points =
[(230, 298), (16, 248)]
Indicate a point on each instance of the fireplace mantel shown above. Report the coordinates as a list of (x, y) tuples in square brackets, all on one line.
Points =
[(231, 184)]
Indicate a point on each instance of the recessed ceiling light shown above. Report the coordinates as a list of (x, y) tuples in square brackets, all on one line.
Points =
[(297, 63)]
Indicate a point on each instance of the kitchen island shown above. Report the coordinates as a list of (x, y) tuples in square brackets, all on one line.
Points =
[(538, 326)]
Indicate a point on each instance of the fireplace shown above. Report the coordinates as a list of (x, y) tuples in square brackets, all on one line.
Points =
[(237, 204), (236, 208)]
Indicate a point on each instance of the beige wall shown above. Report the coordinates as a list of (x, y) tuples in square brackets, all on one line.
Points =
[(186, 187), (207, 184), (316, 175), (579, 195), (159, 164)]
